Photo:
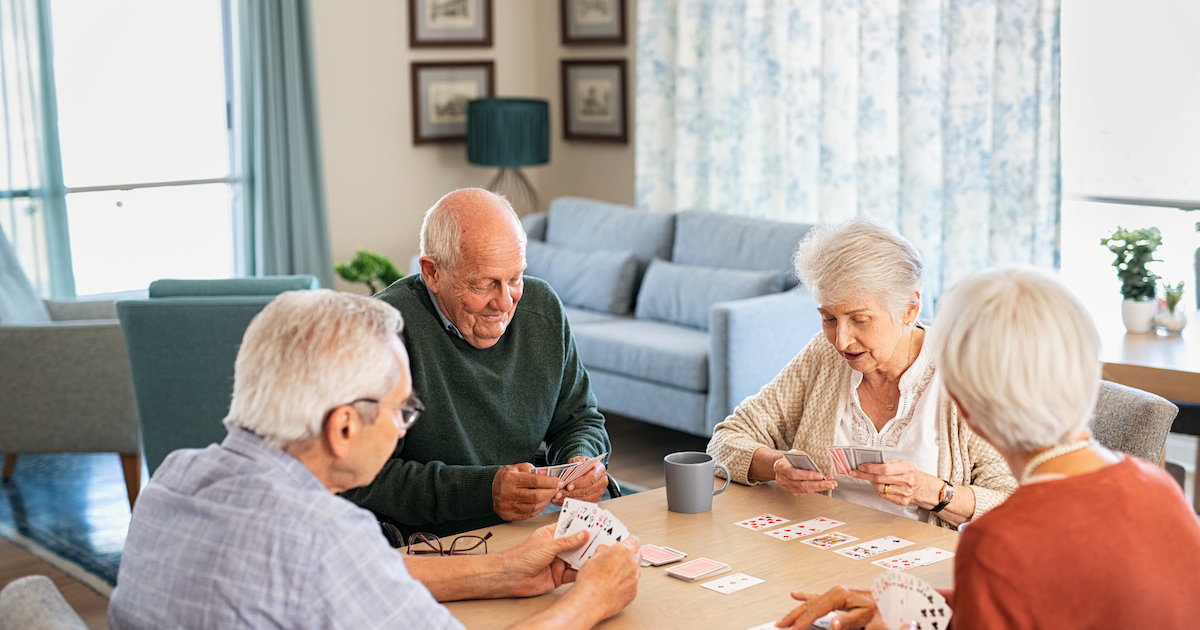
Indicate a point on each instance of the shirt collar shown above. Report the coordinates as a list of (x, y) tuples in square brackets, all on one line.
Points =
[(254, 447), (447, 325)]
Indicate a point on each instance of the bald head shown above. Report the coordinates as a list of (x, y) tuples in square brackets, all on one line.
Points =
[(467, 219), (472, 258)]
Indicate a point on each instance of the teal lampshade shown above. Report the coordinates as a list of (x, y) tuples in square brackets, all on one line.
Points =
[(508, 132)]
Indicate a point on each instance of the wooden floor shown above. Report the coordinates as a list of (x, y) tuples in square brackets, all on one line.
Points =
[(15, 562)]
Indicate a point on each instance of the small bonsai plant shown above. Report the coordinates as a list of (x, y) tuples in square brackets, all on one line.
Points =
[(1134, 250), (370, 268)]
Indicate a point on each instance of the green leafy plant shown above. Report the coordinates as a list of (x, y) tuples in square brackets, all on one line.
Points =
[(1172, 293), (1134, 250), (370, 268)]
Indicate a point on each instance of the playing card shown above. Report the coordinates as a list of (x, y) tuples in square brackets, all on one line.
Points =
[(770, 625), (902, 598), (567, 515), (580, 469), (832, 539), (801, 461), (732, 583), (696, 569), (873, 547), (918, 558), (762, 522), (822, 623), (867, 456), (806, 528), (654, 556), (601, 526)]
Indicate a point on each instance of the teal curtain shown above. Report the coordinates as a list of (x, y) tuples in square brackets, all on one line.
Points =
[(33, 211), (937, 117), (285, 228)]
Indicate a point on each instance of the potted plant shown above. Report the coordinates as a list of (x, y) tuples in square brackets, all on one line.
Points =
[(1170, 316), (370, 268), (1134, 250)]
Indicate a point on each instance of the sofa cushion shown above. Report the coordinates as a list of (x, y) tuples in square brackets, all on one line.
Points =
[(600, 280), (19, 302), (588, 224), (683, 294), (654, 351), (583, 317), (721, 240)]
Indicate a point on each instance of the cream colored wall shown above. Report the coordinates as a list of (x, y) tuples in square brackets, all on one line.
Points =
[(377, 183)]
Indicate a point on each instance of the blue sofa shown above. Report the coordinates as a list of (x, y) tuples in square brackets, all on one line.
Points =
[(678, 316)]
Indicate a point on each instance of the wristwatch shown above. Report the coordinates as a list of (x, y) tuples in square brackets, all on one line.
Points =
[(944, 498)]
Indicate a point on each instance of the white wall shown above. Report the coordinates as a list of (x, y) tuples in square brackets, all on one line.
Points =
[(377, 183)]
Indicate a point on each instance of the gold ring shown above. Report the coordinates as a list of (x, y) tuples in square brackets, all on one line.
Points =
[(887, 488)]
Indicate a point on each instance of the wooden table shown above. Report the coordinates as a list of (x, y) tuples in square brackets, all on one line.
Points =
[(666, 602), (1167, 366)]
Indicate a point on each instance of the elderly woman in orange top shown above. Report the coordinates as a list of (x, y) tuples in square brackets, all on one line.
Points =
[(1092, 538), (867, 380)]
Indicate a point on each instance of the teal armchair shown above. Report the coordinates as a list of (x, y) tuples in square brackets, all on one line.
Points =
[(182, 342)]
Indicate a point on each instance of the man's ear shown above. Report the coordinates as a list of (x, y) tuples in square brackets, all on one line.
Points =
[(430, 273), (343, 425)]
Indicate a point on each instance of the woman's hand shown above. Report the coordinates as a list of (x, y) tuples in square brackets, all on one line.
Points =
[(858, 605), (798, 481), (900, 482)]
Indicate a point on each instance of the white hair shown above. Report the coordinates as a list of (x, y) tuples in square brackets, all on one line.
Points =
[(859, 259), (441, 230), (1021, 355), (307, 353)]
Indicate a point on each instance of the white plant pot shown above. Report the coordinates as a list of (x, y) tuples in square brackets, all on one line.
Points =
[(1138, 316)]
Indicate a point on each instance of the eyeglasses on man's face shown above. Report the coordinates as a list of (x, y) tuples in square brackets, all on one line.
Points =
[(421, 543), (404, 414)]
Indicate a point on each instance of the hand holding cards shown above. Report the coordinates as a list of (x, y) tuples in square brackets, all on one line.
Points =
[(902, 599), (848, 458), (567, 473), (601, 526)]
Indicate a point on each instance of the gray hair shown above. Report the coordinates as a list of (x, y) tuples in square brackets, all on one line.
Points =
[(1022, 356), (307, 353), (441, 229), (856, 259)]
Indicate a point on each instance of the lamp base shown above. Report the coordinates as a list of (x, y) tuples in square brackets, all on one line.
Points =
[(515, 187)]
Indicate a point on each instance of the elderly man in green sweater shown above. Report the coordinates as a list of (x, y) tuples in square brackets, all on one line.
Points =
[(497, 381)]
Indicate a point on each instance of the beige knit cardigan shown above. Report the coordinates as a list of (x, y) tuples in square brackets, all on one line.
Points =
[(801, 407)]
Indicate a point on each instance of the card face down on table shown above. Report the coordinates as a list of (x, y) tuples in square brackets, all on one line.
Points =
[(696, 569)]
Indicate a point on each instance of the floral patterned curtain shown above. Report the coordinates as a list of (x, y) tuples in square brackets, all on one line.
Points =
[(938, 117)]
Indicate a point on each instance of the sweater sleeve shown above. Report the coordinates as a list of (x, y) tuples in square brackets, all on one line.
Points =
[(413, 493), (577, 428), (991, 479), (767, 419)]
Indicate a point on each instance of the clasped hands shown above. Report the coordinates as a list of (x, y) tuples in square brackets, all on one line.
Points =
[(518, 493)]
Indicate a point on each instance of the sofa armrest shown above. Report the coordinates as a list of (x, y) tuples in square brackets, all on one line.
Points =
[(65, 311), (74, 378), (750, 341)]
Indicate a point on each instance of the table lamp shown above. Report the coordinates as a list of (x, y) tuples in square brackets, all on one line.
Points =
[(510, 133)]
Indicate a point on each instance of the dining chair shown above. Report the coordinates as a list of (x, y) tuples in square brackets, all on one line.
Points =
[(1132, 421), (182, 342)]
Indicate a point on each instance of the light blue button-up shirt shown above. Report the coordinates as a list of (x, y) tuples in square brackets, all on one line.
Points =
[(242, 535)]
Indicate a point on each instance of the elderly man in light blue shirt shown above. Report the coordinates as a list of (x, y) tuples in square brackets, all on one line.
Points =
[(250, 533)]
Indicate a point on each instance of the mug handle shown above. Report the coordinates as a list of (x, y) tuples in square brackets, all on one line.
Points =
[(722, 467)]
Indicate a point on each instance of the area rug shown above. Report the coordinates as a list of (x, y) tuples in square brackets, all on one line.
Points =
[(69, 510)]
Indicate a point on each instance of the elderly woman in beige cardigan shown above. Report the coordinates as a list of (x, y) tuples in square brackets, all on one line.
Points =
[(867, 380)]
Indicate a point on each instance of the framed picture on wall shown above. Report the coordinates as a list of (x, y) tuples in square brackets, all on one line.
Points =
[(594, 100), (440, 93), (434, 23), (593, 22)]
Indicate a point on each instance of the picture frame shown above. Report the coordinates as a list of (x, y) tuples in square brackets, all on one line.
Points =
[(593, 22), (444, 23), (440, 92), (595, 100)]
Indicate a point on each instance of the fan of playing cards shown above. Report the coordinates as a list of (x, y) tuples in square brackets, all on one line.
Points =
[(567, 473), (602, 527), (903, 598)]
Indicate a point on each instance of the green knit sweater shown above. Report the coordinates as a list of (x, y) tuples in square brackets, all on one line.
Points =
[(484, 408)]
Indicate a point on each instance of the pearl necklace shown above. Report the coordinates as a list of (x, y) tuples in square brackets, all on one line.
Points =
[(1057, 451)]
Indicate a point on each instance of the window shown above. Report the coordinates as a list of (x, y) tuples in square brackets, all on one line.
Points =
[(1130, 133), (144, 138)]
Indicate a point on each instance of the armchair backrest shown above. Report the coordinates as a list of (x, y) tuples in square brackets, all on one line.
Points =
[(1132, 421), (182, 343)]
